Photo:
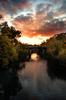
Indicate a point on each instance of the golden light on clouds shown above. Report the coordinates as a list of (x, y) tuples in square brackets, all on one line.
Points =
[(36, 19), (33, 40)]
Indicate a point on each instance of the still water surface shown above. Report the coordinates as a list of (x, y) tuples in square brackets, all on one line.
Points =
[(36, 82)]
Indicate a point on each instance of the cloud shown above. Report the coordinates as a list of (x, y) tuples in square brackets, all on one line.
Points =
[(63, 7), (53, 27), (31, 28), (42, 22), (24, 19), (24, 23), (44, 7), (12, 6), (38, 18), (22, 4), (56, 1)]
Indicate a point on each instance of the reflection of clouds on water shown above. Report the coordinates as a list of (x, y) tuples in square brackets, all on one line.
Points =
[(35, 81)]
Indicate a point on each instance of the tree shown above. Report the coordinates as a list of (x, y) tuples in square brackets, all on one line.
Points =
[(14, 33), (55, 46), (11, 32), (8, 61), (7, 51)]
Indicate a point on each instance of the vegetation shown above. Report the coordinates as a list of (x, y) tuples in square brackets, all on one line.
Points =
[(56, 56), (9, 63), (56, 46), (7, 51)]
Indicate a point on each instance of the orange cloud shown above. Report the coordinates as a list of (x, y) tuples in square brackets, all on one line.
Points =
[(34, 26)]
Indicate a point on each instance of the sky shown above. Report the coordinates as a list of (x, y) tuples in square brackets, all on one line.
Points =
[(37, 20)]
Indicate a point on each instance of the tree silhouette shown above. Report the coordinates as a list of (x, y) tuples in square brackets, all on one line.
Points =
[(8, 61), (11, 32)]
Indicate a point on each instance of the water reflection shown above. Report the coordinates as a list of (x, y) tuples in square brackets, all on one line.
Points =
[(35, 80)]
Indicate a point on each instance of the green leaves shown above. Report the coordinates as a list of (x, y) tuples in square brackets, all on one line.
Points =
[(55, 46), (7, 51)]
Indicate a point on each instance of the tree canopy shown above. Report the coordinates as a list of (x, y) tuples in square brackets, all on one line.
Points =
[(9, 62), (56, 46)]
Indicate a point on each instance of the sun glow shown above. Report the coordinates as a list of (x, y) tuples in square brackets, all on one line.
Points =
[(34, 56), (33, 40)]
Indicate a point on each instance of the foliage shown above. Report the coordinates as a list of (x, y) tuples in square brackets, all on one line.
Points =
[(7, 51), (9, 31), (56, 46), (9, 62)]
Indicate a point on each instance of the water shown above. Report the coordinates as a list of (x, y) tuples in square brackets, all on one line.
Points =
[(36, 82)]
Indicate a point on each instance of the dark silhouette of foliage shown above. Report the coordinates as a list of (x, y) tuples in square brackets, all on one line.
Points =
[(56, 56), (56, 46), (11, 32), (9, 63), (7, 51), (14, 33)]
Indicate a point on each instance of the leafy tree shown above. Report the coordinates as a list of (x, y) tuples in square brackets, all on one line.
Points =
[(8, 61), (11, 32), (56, 56), (7, 51), (14, 33), (55, 46)]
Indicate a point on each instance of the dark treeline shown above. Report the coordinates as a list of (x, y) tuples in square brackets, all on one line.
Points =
[(56, 56), (9, 62)]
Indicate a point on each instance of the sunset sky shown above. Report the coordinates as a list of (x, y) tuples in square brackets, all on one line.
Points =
[(36, 19)]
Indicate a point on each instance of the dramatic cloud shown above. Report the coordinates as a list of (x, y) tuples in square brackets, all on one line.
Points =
[(63, 7), (35, 18), (46, 7), (12, 6), (53, 27)]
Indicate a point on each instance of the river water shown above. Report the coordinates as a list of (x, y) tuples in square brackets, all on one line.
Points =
[(37, 83)]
